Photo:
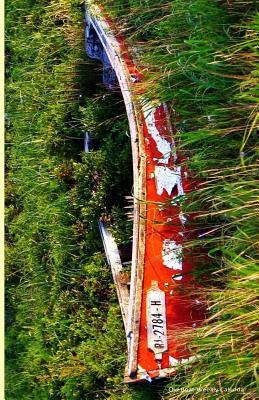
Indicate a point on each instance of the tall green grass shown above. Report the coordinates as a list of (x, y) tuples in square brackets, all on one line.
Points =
[(201, 57), (64, 336), (64, 333)]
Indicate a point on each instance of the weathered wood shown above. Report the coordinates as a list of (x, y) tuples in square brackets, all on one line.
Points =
[(113, 257), (137, 272), (133, 110)]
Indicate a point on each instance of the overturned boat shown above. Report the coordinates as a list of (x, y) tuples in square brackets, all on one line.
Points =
[(155, 303)]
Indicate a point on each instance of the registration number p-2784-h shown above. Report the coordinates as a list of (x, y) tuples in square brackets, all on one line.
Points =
[(156, 320)]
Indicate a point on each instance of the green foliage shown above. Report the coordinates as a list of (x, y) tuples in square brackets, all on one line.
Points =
[(61, 307), (64, 335), (201, 57), (121, 226)]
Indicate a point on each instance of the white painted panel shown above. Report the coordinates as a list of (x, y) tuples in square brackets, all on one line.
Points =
[(172, 254), (163, 145), (156, 321), (166, 179)]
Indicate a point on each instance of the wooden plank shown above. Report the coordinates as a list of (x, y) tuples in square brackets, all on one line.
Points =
[(138, 271), (113, 258), (133, 110)]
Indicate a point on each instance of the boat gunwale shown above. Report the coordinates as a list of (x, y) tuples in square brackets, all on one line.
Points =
[(134, 112)]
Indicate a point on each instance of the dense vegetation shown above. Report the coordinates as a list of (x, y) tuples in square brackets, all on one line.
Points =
[(201, 56), (64, 336)]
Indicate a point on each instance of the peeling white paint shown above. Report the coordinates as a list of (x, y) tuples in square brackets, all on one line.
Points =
[(172, 254), (165, 372), (182, 218), (163, 146), (167, 179), (178, 277), (174, 362)]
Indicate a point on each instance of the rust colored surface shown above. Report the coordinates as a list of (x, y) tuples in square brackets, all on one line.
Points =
[(167, 261), (163, 223)]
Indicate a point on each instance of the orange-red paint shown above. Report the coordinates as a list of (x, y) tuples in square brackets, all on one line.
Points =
[(181, 313), (163, 222)]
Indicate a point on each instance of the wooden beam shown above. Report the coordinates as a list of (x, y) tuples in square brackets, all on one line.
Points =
[(114, 260), (125, 75)]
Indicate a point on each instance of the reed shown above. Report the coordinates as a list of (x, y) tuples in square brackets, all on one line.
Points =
[(201, 57)]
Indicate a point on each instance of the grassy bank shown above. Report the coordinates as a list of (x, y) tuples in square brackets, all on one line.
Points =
[(201, 57), (64, 336)]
